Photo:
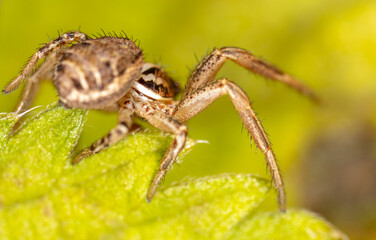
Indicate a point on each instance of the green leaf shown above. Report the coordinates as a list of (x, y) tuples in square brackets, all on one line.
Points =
[(198, 209), (42, 196), (33, 159), (294, 224), (7, 121)]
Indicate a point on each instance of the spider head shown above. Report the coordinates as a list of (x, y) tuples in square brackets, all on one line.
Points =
[(156, 84)]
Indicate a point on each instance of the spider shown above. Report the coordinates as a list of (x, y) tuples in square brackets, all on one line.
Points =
[(108, 73)]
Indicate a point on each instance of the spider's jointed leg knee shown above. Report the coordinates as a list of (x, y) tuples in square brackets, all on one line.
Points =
[(198, 100), (43, 52), (163, 121), (208, 68), (120, 131), (45, 71)]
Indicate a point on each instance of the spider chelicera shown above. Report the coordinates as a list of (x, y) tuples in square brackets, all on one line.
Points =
[(108, 73)]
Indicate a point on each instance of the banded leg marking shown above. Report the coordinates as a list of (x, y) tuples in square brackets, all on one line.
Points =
[(119, 132)]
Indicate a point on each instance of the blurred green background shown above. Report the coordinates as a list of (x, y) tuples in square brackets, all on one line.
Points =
[(327, 153)]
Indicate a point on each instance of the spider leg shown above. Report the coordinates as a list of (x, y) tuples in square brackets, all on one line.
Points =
[(45, 71), (165, 122), (198, 100), (119, 132), (208, 68), (43, 52)]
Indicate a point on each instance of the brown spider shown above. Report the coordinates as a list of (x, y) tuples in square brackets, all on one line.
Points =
[(108, 73)]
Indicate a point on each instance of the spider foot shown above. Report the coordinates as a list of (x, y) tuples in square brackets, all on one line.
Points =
[(84, 154)]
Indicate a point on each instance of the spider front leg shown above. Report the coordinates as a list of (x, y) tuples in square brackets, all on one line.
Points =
[(208, 68), (198, 100), (165, 122), (49, 48), (120, 131), (45, 71)]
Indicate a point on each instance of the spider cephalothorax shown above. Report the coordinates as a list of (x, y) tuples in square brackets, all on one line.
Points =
[(109, 73)]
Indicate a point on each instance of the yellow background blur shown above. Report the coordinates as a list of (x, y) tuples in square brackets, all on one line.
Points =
[(330, 45)]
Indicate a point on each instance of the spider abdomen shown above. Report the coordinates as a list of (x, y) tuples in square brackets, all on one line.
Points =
[(95, 73)]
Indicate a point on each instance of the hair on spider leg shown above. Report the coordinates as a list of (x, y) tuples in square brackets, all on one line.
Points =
[(242, 128), (49, 38), (199, 60), (59, 32), (197, 57), (190, 70), (10, 88)]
